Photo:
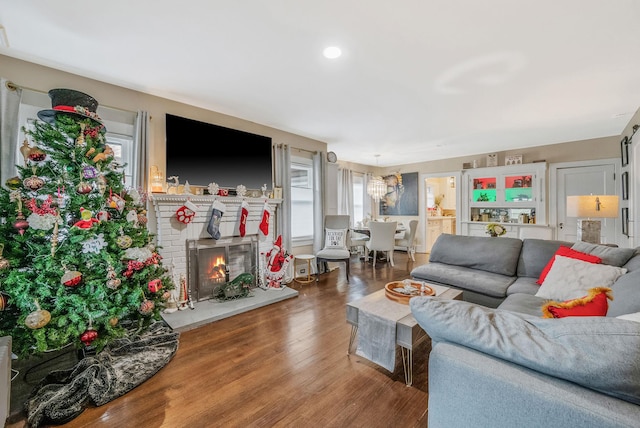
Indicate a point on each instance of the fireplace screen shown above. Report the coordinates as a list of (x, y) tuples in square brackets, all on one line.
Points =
[(211, 264)]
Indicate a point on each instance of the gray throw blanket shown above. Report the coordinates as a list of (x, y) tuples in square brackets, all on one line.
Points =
[(117, 369)]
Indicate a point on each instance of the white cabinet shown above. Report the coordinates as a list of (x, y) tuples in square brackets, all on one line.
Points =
[(437, 226), (509, 195)]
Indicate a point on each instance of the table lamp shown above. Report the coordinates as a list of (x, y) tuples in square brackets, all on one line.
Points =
[(591, 206)]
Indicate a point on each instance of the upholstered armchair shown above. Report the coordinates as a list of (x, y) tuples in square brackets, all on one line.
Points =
[(336, 237)]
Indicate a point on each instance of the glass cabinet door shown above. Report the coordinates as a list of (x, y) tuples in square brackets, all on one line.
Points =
[(484, 189), (517, 188)]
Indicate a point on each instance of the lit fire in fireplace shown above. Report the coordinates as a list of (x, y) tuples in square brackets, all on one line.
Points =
[(217, 269)]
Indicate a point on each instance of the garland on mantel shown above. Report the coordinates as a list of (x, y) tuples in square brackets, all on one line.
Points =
[(210, 198)]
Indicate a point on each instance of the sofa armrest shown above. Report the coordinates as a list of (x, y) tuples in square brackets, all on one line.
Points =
[(469, 388)]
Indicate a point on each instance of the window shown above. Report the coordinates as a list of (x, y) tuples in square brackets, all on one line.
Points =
[(120, 129), (358, 197), (301, 200)]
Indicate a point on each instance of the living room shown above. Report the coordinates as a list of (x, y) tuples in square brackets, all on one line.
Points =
[(590, 149)]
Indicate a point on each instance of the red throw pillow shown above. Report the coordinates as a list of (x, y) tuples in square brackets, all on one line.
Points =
[(593, 304), (567, 252)]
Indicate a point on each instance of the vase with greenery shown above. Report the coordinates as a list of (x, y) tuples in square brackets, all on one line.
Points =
[(495, 230)]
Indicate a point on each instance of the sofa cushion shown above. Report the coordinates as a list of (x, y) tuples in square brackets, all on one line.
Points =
[(567, 252), (599, 353), (476, 252), (626, 295), (570, 278), (634, 261), (594, 304), (535, 255), (613, 256), (487, 283), (523, 284), (524, 304)]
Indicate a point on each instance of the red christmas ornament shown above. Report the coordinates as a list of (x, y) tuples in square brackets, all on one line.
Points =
[(71, 278), (83, 188), (36, 155), (154, 285), (88, 336)]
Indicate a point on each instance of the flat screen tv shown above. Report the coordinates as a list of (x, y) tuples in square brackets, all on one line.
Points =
[(203, 153)]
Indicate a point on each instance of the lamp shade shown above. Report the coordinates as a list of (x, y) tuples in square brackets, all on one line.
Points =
[(592, 206)]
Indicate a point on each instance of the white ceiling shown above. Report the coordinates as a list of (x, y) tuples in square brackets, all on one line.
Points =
[(419, 79)]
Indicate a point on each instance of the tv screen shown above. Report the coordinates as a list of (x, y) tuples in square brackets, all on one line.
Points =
[(203, 153)]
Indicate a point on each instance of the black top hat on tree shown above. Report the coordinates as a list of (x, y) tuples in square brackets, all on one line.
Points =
[(69, 101)]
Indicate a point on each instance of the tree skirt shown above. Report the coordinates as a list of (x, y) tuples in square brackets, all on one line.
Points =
[(117, 369)]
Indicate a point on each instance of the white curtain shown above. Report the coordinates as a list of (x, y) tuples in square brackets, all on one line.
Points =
[(345, 192), (10, 96), (318, 200), (368, 202), (283, 180), (141, 172)]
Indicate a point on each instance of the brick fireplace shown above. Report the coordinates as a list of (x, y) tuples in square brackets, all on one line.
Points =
[(176, 239)]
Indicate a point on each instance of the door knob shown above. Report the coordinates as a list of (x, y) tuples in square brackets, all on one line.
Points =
[(561, 225)]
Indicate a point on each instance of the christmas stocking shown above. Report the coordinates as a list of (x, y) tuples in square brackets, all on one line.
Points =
[(244, 212), (264, 224), (185, 213), (213, 227)]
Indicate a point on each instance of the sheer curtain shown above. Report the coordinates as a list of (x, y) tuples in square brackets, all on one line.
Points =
[(10, 96), (345, 192), (283, 180), (368, 205), (318, 200), (141, 172)]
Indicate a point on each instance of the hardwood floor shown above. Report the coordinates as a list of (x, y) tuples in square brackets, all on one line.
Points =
[(283, 365)]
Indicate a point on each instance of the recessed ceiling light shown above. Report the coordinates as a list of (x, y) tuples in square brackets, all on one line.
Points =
[(332, 52)]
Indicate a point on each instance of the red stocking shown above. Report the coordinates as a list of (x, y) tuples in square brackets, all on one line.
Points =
[(264, 224), (243, 217)]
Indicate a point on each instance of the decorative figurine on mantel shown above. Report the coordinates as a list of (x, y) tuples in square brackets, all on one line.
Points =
[(172, 188), (264, 190), (213, 188)]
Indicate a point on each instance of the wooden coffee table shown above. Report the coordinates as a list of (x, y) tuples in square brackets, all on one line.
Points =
[(408, 332)]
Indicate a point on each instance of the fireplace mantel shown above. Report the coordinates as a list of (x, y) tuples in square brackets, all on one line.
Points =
[(172, 235)]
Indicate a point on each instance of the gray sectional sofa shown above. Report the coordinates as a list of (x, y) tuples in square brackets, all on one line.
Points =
[(495, 362)]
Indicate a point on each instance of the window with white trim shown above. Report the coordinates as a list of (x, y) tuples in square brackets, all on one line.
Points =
[(301, 200), (358, 197)]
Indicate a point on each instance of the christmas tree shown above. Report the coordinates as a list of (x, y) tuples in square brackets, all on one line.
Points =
[(78, 266)]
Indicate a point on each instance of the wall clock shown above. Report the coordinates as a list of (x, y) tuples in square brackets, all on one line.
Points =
[(331, 157)]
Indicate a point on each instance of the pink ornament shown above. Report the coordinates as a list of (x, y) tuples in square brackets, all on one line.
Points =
[(21, 224), (146, 307)]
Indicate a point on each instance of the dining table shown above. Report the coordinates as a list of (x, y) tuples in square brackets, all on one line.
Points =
[(366, 231)]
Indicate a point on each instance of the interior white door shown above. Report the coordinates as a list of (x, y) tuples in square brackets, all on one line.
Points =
[(584, 180)]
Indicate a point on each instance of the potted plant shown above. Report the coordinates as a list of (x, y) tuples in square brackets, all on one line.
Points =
[(495, 229)]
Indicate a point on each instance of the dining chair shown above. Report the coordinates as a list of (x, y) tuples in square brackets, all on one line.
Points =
[(382, 238), (336, 238), (358, 241), (408, 240)]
